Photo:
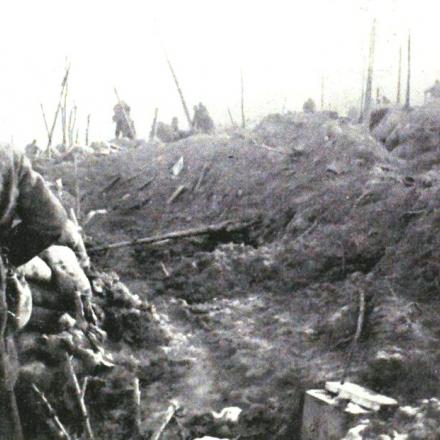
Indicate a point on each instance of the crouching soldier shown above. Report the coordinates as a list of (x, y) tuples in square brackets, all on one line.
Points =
[(31, 220)]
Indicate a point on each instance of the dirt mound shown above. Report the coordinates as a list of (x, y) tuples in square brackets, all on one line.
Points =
[(412, 134), (332, 213)]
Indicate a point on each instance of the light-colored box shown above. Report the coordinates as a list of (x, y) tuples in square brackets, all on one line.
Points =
[(324, 418)]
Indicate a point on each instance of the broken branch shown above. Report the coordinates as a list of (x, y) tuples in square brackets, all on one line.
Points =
[(80, 398), (202, 176), (180, 189), (63, 85), (136, 407), (164, 269), (112, 184), (62, 433), (93, 214), (168, 417), (45, 121), (226, 226)]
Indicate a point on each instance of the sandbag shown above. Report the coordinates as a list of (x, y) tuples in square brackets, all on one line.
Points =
[(67, 275), (19, 297), (36, 270)]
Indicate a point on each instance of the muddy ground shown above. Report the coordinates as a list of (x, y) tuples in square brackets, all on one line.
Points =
[(257, 316)]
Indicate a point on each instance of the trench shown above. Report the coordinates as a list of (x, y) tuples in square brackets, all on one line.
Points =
[(240, 352)]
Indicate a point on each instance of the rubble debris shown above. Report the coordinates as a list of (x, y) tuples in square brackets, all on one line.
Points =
[(177, 167), (360, 395), (230, 414)]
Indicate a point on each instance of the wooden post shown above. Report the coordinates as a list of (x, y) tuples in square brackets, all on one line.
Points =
[(179, 90), (243, 118), (153, 125), (369, 85), (399, 76), (408, 78)]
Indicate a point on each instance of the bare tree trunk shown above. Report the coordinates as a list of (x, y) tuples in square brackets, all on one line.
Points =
[(179, 90), (322, 92), (369, 85), (63, 85), (153, 125), (408, 78), (231, 118), (243, 118), (64, 116), (87, 129), (45, 121), (399, 76), (72, 123), (361, 107)]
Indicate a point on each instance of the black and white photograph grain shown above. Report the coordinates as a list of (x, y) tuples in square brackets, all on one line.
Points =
[(220, 220)]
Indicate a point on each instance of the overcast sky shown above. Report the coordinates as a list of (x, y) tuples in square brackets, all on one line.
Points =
[(282, 47)]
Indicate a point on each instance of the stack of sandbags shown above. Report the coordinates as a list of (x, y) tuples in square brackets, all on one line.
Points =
[(56, 280)]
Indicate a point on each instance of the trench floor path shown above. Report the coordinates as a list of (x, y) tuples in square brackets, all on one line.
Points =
[(243, 351)]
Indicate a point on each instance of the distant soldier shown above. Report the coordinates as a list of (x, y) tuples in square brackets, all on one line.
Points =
[(32, 151), (202, 121), (309, 106), (167, 133), (124, 124), (434, 91)]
